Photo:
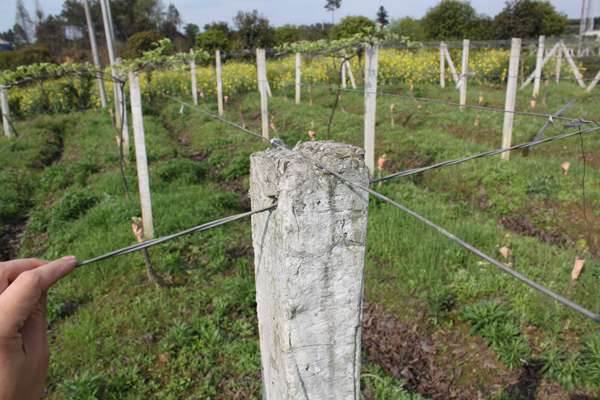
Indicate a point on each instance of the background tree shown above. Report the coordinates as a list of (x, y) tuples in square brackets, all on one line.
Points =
[(216, 36), (141, 42), (172, 22), (50, 34), (451, 19), (350, 26), (191, 32), (409, 27), (382, 16), (253, 30), (332, 6), (287, 34), (24, 27), (529, 19)]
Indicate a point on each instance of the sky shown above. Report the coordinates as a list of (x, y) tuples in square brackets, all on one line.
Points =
[(282, 12)]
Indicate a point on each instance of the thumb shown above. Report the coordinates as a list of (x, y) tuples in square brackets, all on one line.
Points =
[(21, 298)]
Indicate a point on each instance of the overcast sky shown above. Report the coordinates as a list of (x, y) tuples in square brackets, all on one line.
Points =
[(282, 12)]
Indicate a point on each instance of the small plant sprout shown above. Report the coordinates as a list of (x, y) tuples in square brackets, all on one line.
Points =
[(477, 122), (201, 94), (272, 124), (382, 162), (506, 252), (226, 98), (533, 104), (312, 135), (565, 167), (481, 99), (392, 109), (577, 268)]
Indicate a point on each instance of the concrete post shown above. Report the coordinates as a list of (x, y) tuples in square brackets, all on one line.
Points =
[(309, 263), (8, 132), (194, 77), (558, 65), (122, 99), (262, 89), (109, 35), (573, 66), (298, 78), (539, 66), (464, 74), (343, 71), (219, 82), (95, 54), (371, 67), (140, 155), (453, 72), (511, 96), (350, 75), (593, 83), (442, 66)]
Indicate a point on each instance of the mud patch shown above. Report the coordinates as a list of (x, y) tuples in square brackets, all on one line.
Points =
[(10, 239)]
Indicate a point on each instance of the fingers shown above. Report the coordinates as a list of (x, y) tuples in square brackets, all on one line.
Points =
[(35, 336), (11, 269), (21, 298)]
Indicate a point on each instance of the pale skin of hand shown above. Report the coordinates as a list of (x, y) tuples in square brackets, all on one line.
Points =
[(24, 354)]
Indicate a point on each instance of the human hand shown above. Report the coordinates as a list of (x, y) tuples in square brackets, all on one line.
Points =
[(24, 353)]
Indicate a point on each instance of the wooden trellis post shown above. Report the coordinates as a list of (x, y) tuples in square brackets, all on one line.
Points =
[(511, 96), (261, 72), (140, 155), (464, 74), (442, 66), (309, 256), (371, 68), (539, 66), (194, 78), (219, 82), (8, 131), (298, 78)]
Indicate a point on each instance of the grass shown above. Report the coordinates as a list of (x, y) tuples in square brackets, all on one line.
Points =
[(114, 335)]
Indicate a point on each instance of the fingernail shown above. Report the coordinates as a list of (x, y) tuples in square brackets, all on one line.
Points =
[(70, 259)]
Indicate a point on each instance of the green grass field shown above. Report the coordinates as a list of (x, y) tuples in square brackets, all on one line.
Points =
[(439, 323)]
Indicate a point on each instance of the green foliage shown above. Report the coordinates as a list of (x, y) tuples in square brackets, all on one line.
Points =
[(74, 204), (494, 322), (408, 27), (351, 26), (141, 42), (216, 36), (28, 55), (451, 19), (529, 19), (253, 30), (183, 170)]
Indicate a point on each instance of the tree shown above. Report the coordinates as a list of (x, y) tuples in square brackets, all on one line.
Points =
[(350, 26), (382, 16), (216, 36), (451, 19), (409, 27), (50, 34), (25, 30), (529, 19), (331, 6), (191, 33), (287, 34), (171, 22), (141, 42), (253, 30)]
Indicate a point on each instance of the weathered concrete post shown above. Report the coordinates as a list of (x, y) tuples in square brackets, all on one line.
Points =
[(442, 66), (8, 132), (350, 75), (298, 78), (219, 69), (193, 77), (464, 74), (371, 70), (95, 54), (558, 65), (539, 66), (511, 96), (261, 72), (309, 262)]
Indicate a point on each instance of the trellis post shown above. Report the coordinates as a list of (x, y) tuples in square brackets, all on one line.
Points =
[(219, 81), (298, 78), (371, 67), (124, 127), (350, 74), (8, 132), (558, 65), (464, 74), (511, 96), (442, 66), (95, 55), (343, 72), (140, 155), (261, 72), (109, 35), (194, 77), (539, 66), (309, 256)]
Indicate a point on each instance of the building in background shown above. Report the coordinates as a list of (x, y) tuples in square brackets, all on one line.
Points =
[(4, 45)]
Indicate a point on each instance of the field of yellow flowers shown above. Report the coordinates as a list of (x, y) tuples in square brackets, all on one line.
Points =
[(395, 66)]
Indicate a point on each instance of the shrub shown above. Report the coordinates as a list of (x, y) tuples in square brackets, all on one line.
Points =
[(73, 204), (141, 42), (28, 55)]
